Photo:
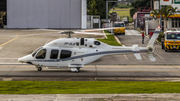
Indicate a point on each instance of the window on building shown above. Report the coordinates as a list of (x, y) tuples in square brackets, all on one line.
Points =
[(41, 54), (54, 54), (175, 22), (65, 54)]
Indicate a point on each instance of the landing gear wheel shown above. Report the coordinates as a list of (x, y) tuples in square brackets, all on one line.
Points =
[(39, 68), (77, 71), (78, 68)]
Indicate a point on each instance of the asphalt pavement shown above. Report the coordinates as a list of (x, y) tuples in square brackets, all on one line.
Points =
[(92, 72)]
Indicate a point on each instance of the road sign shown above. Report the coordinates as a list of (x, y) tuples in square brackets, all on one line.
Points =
[(165, 2), (176, 1)]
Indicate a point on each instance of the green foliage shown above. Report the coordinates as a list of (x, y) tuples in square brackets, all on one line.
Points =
[(155, 13), (92, 10), (167, 11), (122, 6), (110, 40), (138, 3), (101, 7), (87, 87), (160, 37), (123, 14)]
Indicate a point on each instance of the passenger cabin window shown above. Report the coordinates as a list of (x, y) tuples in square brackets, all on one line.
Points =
[(97, 43), (41, 54), (65, 54), (54, 54)]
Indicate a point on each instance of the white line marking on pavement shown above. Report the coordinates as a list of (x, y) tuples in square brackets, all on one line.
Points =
[(125, 57), (0, 47), (7, 58), (159, 56)]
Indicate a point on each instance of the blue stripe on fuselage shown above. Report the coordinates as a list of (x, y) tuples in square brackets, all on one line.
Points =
[(86, 55)]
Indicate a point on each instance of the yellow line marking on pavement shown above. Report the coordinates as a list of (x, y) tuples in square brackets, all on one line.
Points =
[(8, 42), (159, 56)]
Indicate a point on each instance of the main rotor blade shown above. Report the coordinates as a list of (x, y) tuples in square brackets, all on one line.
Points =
[(90, 33), (33, 34)]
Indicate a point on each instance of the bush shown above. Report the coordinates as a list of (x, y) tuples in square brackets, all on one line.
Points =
[(160, 37)]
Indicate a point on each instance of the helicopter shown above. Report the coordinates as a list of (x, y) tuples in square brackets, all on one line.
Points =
[(74, 53)]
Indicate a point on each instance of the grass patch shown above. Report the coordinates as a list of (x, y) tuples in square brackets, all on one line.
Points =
[(87, 87), (122, 13), (110, 40)]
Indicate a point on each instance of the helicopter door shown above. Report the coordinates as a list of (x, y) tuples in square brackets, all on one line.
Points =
[(65, 54), (53, 58), (41, 56)]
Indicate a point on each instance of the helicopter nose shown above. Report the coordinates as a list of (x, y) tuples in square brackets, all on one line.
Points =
[(25, 59), (21, 60)]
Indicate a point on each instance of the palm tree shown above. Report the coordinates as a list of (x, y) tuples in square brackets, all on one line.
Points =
[(155, 13), (167, 11)]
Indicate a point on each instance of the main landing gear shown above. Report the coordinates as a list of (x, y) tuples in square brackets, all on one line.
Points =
[(75, 69)]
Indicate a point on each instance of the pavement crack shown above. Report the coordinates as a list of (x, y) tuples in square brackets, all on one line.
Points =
[(10, 71), (176, 68)]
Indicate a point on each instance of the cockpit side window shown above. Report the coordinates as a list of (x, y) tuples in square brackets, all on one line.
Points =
[(65, 54), (41, 54), (54, 54), (34, 52)]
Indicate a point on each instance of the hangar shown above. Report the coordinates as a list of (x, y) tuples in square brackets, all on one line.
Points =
[(46, 14)]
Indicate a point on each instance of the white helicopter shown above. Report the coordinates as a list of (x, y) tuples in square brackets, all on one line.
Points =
[(74, 53)]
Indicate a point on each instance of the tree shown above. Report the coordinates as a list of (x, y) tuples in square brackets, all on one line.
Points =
[(138, 3), (100, 7), (166, 11), (155, 13), (92, 10)]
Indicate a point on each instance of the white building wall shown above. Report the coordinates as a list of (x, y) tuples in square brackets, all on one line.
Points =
[(46, 13)]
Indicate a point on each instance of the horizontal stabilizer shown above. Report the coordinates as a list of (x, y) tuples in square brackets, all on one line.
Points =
[(136, 52), (151, 57)]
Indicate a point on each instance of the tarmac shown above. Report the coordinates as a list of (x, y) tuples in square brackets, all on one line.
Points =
[(92, 97), (16, 72)]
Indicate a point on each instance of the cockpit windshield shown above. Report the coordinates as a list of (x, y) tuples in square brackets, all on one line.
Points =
[(35, 51), (173, 36)]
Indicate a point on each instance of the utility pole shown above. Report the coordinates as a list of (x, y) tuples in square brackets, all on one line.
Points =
[(151, 4)]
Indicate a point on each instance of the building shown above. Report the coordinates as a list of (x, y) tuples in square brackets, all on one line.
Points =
[(140, 16), (173, 21), (46, 14)]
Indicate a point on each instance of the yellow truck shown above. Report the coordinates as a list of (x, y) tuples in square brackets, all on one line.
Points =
[(120, 29), (171, 40)]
